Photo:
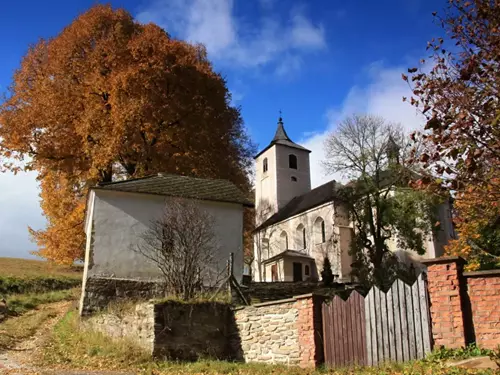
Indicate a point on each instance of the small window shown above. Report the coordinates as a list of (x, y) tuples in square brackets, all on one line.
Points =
[(306, 270), (323, 234), (304, 237), (294, 179), (292, 161), (264, 165)]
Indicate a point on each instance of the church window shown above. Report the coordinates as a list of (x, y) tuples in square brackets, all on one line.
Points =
[(264, 165), (284, 240), (319, 231), (265, 248), (306, 270), (300, 237), (292, 161), (294, 179)]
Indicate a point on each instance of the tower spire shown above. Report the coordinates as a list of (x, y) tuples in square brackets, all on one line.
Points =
[(280, 134)]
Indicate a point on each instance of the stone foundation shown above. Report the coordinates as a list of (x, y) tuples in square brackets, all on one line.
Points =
[(100, 291)]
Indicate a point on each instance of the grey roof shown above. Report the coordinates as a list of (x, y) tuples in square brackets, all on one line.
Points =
[(281, 138), (289, 253), (316, 197), (181, 186)]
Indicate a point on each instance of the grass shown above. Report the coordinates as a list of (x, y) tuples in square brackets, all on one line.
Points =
[(21, 303), (24, 276), (72, 347), (29, 268), (442, 353)]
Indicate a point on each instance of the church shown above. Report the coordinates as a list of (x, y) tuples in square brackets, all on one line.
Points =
[(297, 227)]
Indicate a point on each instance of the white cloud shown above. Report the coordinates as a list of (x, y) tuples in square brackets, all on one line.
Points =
[(381, 95), (20, 208), (235, 41)]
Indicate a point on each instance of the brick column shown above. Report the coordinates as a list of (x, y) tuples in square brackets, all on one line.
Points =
[(309, 326), (446, 288)]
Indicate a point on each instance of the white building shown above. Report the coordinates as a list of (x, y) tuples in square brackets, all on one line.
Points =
[(298, 226), (118, 213)]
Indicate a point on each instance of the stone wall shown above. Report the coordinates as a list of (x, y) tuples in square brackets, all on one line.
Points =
[(132, 322), (286, 331), (273, 291), (194, 331), (269, 333), (100, 291), (465, 307)]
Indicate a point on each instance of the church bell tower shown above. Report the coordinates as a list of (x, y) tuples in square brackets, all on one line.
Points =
[(282, 173)]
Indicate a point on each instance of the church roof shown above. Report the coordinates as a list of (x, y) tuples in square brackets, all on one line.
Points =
[(281, 138), (181, 186), (316, 197)]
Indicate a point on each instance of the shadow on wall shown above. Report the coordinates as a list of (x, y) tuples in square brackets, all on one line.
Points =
[(195, 331)]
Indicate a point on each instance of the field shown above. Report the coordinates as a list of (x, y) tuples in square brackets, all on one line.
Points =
[(28, 268)]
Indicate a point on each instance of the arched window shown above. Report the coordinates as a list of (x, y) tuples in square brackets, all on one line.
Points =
[(319, 230), (306, 270), (283, 241), (265, 248), (292, 161), (300, 237), (264, 165), (294, 179)]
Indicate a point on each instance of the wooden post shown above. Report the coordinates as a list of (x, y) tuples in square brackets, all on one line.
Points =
[(231, 264)]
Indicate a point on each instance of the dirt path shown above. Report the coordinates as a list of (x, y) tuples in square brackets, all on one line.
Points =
[(18, 358)]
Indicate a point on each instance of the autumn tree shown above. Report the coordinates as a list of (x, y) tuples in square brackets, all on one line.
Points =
[(477, 222), (460, 98), (111, 98), (373, 155)]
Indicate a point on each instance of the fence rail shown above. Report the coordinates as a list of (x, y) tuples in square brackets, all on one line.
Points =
[(391, 326)]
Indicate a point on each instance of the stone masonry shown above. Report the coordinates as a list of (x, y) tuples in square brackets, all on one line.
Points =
[(269, 333), (135, 323), (285, 331)]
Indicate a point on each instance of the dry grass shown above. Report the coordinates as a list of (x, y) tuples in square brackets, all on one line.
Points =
[(21, 268)]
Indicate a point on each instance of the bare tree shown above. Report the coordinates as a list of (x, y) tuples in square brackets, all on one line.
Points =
[(182, 244), (372, 153)]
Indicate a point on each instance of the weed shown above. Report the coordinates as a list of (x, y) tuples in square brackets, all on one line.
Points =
[(444, 354)]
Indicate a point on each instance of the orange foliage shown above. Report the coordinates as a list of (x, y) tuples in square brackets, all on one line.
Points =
[(478, 227), (110, 97)]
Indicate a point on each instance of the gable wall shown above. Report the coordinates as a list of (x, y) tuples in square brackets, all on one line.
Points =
[(120, 218)]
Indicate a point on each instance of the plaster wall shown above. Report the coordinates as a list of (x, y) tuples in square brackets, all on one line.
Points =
[(118, 219)]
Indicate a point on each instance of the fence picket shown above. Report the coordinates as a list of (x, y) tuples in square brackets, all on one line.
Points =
[(392, 326), (424, 310), (404, 321), (417, 322), (368, 344)]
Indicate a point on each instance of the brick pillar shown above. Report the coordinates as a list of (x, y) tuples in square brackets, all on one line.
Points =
[(446, 288), (309, 325)]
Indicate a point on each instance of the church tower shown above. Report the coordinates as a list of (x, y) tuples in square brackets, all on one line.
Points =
[(282, 173)]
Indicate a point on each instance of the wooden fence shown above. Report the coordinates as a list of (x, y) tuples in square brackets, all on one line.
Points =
[(391, 326)]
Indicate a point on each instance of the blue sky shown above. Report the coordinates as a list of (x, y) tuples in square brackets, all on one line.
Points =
[(317, 61)]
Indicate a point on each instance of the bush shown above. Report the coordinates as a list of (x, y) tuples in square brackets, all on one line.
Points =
[(15, 285), (326, 273)]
